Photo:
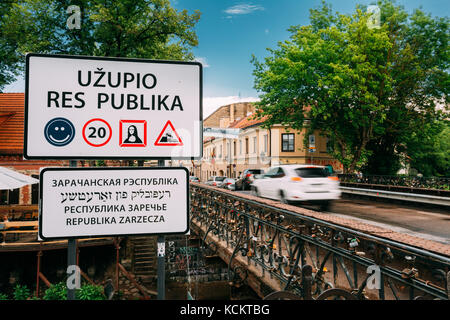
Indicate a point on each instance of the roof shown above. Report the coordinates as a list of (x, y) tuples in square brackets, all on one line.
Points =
[(247, 122), (12, 106)]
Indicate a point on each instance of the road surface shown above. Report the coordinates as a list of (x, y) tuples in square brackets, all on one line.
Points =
[(416, 220)]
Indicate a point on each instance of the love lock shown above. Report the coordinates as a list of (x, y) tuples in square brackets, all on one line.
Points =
[(353, 243), (411, 273)]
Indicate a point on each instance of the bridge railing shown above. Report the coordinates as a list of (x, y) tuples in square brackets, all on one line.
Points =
[(313, 258), (440, 183)]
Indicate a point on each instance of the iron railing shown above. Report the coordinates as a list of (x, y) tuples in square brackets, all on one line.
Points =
[(313, 258), (440, 183)]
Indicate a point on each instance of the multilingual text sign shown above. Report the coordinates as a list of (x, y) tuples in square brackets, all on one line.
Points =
[(90, 202)]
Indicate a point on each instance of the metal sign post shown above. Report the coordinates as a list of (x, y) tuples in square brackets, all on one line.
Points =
[(71, 252), (161, 262)]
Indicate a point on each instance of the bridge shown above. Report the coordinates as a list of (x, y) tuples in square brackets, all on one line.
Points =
[(289, 252)]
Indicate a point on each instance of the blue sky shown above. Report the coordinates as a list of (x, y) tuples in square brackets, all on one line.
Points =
[(229, 32)]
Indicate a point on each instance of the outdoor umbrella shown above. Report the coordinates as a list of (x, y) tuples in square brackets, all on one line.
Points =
[(10, 179)]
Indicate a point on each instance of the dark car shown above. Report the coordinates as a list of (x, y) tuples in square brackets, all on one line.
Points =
[(193, 179), (246, 178)]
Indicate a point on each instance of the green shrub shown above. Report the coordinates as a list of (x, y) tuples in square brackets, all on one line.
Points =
[(21, 292), (56, 292), (86, 292), (3, 296), (90, 292)]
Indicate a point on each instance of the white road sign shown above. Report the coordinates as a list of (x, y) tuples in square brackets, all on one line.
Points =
[(79, 107), (91, 202), (229, 133)]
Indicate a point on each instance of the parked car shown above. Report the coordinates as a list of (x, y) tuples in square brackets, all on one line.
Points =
[(298, 183), (228, 183), (246, 178), (214, 181), (194, 179)]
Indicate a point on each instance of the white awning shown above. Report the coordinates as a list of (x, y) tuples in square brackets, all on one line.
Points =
[(10, 179)]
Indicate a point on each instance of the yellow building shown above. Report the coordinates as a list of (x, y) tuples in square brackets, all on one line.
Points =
[(256, 147)]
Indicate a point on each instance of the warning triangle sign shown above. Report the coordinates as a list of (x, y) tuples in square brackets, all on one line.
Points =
[(168, 136)]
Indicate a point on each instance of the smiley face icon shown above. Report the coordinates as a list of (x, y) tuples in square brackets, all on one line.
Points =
[(59, 132)]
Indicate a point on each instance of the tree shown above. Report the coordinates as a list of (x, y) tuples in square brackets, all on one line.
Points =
[(355, 83), (429, 149), (9, 59), (129, 28), (419, 65)]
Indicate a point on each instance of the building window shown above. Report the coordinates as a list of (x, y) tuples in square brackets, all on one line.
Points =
[(287, 142), (254, 144), (246, 145), (240, 146), (220, 152), (9, 196), (234, 149)]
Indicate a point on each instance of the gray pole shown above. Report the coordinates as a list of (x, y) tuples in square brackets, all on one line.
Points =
[(161, 268), (71, 250)]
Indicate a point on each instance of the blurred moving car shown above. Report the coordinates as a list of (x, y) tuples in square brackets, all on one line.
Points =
[(194, 179), (246, 178), (228, 183), (298, 183), (214, 181)]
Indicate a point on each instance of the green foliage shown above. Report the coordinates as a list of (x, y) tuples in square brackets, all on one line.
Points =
[(56, 291), (90, 292), (9, 59), (100, 163), (361, 87), (3, 296), (86, 292), (21, 292), (129, 28), (429, 150)]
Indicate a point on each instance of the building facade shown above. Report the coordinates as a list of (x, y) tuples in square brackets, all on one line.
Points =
[(256, 147)]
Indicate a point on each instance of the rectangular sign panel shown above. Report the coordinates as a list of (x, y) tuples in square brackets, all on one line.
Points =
[(228, 133), (79, 107), (92, 202)]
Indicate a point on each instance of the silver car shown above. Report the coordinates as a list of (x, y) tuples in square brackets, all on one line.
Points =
[(215, 181), (228, 183)]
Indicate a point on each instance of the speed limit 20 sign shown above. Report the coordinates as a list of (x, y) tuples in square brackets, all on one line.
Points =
[(79, 107), (97, 132)]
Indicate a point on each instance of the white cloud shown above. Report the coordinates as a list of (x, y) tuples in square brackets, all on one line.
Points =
[(203, 61), (243, 9), (211, 104)]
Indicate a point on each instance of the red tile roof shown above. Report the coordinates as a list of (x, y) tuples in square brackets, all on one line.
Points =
[(12, 107), (247, 122)]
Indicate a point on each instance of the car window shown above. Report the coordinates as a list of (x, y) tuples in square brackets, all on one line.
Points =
[(255, 171), (311, 172), (279, 174), (272, 172), (220, 178)]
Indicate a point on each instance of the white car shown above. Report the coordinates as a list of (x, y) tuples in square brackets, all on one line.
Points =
[(298, 183)]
